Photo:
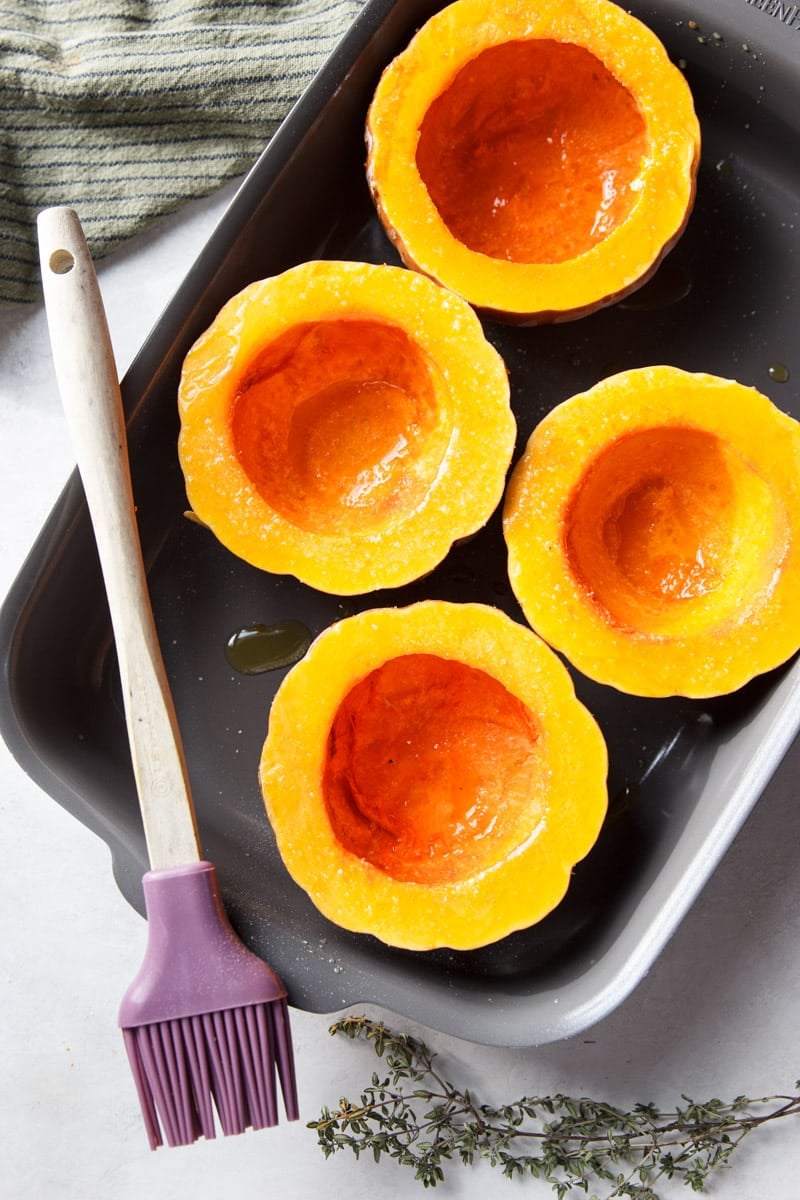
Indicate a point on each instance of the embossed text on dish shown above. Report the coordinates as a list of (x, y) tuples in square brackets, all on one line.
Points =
[(787, 14)]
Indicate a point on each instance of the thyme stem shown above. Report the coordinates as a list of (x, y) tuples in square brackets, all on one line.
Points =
[(416, 1116)]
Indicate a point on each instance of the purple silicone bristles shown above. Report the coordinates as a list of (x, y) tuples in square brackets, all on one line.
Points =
[(185, 1068)]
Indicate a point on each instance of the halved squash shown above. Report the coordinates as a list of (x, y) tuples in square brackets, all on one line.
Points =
[(538, 159), (653, 532), (330, 418), (430, 775)]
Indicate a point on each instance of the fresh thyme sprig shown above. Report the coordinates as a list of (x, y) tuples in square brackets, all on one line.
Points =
[(415, 1115)]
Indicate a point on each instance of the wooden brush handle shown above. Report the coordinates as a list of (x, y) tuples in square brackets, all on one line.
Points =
[(89, 387)]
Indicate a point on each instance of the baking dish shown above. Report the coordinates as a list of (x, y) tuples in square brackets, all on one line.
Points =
[(684, 774)]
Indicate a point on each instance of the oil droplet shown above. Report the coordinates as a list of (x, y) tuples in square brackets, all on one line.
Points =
[(671, 283), (624, 799), (259, 648), (779, 372)]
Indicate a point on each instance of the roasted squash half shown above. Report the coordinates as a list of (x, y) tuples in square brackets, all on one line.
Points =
[(538, 159), (431, 777), (653, 532), (345, 423)]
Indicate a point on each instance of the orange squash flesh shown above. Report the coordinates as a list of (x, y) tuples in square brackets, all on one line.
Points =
[(329, 417), (431, 777), (661, 517), (550, 142), (538, 160), (337, 420), (432, 770), (653, 531)]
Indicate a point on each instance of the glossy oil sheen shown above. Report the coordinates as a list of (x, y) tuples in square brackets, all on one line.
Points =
[(531, 153), (337, 425), (432, 771), (255, 649)]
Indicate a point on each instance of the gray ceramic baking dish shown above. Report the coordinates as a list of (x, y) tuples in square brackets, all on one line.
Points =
[(683, 775)]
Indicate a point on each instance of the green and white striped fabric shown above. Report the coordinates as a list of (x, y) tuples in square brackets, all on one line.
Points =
[(125, 109)]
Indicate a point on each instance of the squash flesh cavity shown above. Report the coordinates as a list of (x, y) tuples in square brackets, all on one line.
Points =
[(340, 424), (653, 532), (496, 788), (432, 772), (530, 153), (670, 528)]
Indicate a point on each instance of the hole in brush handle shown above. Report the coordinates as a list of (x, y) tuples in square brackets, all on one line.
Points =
[(61, 262)]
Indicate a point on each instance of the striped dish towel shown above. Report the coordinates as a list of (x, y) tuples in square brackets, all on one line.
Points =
[(125, 109)]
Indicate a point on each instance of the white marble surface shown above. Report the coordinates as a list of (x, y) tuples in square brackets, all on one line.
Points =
[(717, 1014)]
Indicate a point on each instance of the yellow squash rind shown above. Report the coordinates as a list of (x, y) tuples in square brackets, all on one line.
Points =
[(743, 621), (476, 428), (532, 293), (510, 894)]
